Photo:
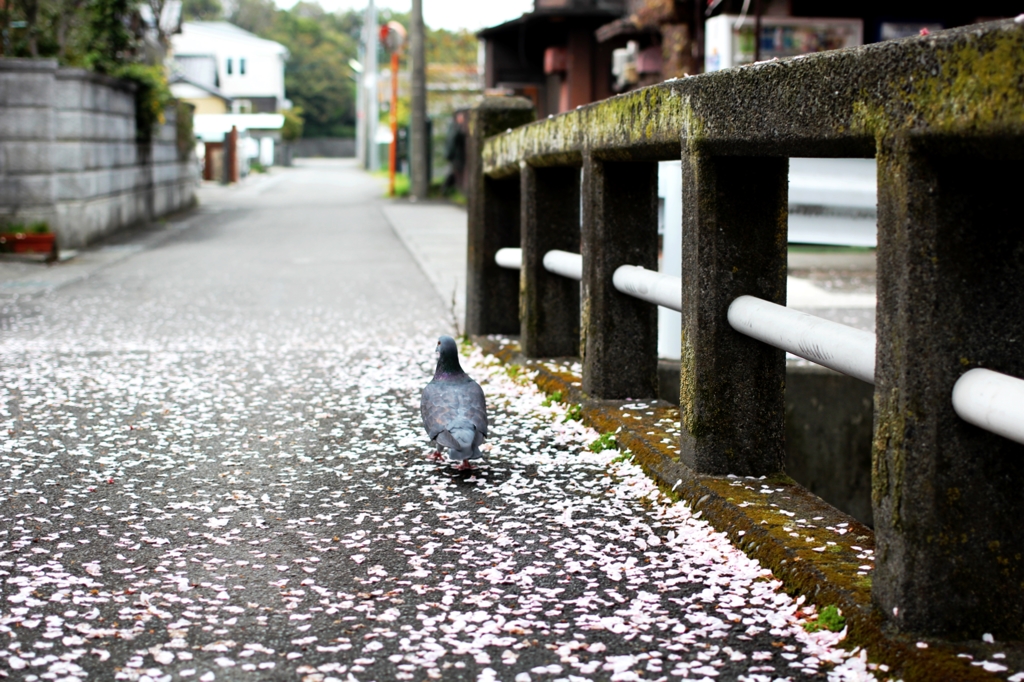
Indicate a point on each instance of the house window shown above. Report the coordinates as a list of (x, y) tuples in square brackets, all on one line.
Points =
[(241, 66), (229, 66)]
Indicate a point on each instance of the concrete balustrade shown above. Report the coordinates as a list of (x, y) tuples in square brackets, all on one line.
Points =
[(947, 130)]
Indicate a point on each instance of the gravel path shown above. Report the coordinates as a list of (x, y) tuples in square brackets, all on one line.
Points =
[(213, 468)]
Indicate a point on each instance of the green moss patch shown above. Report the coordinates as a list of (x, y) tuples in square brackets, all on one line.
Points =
[(830, 618)]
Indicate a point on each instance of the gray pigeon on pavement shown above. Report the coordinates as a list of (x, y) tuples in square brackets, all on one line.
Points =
[(453, 408)]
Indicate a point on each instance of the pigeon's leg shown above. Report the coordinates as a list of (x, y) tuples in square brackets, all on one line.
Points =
[(464, 465), (436, 456)]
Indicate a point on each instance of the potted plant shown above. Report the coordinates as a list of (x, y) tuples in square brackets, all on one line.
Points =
[(35, 238)]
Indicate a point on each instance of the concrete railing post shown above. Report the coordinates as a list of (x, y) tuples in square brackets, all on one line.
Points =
[(549, 305), (619, 333), (947, 495), (732, 387), (492, 293)]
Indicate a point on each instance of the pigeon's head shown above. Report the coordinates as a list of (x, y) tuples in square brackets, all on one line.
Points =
[(448, 356)]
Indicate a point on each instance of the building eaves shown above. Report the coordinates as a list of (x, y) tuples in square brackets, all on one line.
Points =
[(180, 78), (215, 29), (544, 14), (625, 26), (647, 17)]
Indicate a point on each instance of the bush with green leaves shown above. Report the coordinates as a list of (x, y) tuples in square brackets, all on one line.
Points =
[(574, 413), (37, 227), (185, 135), (152, 96), (293, 124), (552, 398)]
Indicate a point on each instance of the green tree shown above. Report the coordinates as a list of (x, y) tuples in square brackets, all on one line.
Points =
[(111, 44), (48, 28), (451, 47), (68, 21), (30, 9), (258, 16), (202, 10), (318, 78)]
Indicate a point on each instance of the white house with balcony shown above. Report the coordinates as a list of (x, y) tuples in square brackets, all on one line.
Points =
[(220, 67), (235, 79)]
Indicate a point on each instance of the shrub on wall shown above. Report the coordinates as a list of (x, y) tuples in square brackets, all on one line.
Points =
[(186, 137), (293, 122), (152, 96)]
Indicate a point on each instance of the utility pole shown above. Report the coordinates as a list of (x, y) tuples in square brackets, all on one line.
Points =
[(419, 165), (370, 38), (361, 106)]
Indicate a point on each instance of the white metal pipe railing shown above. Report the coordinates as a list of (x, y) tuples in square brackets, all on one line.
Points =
[(836, 346), (558, 262), (650, 286), (992, 401), (987, 399), (509, 258), (564, 263)]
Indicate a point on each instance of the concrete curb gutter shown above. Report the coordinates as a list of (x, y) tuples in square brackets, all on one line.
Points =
[(813, 548)]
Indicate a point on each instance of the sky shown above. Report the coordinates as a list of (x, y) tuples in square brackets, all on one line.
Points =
[(450, 14)]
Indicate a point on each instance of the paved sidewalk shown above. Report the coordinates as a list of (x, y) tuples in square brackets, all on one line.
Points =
[(435, 235), (213, 468)]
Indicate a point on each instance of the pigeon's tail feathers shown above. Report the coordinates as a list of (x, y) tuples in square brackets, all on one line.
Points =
[(462, 441), (465, 435)]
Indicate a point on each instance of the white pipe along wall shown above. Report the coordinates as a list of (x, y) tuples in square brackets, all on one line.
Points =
[(992, 401), (650, 286), (509, 258), (836, 346), (564, 263), (989, 400)]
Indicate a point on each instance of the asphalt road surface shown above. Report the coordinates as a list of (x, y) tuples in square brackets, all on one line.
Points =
[(212, 468)]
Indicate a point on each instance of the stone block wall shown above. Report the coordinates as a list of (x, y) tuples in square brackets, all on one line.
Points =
[(326, 147), (69, 154)]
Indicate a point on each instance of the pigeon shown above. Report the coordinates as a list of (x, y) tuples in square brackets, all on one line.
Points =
[(453, 408)]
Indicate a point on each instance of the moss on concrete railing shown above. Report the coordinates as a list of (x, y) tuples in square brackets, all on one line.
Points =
[(964, 81)]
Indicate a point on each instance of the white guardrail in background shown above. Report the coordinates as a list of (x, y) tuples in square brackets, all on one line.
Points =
[(987, 399)]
